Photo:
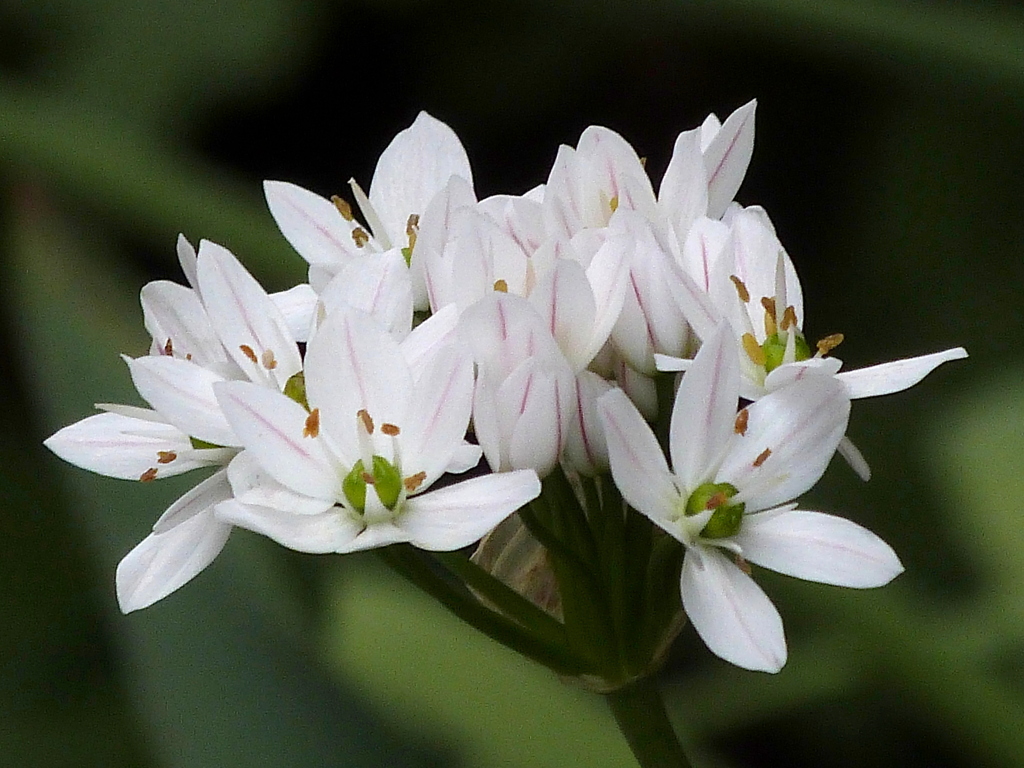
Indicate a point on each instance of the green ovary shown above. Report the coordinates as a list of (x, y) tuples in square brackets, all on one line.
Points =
[(295, 388), (726, 519), (386, 478), (775, 349)]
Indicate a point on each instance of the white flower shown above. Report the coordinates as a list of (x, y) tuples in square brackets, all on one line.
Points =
[(415, 166), (354, 471), (725, 497)]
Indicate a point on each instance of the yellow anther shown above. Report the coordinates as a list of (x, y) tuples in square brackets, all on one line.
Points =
[(741, 289), (165, 457), (343, 207), (360, 236), (762, 457), (413, 482), (312, 426), (770, 328), (740, 427), (501, 286), (148, 476), (367, 422), (643, 163), (247, 351), (829, 343), (389, 429), (788, 318), (412, 227), (753, 349), (268, 360), (614, 203)]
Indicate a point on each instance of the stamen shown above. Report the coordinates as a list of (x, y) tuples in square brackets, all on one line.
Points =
[(343, 207), (168, 348), (742, 564), (829, 343), (412, 227), (413, 482), (312, 426), (268, 360), (370, 215), (741, 289), (763, 457), (788, 318), (501, 286), (389, 429), (740, 427), (188, 356), (770, 327), (247, 351), (614, 203), (165, 457), (367, 422), (360, 236), (148, 476), (643, 163), (753, 349)]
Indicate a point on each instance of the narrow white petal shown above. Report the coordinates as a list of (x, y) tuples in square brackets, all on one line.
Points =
[(732, 615), (586, 449), (854, 458), (332, 531), (683, 194), (896, 376), (162, 562), (616, 168), (466, 456), (313, 225), (177, 321), (182, 392), (379, 285), (253, 485), (211, 491), (564, 299), (727, 157), (420, 344), (818, 547), (704, 414), (297, 306), (458, 515), (274, 428), (638, 465)]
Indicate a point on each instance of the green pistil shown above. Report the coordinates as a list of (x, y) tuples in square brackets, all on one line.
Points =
[(726, 519), (386, 478), (295, 388), (775, 349)]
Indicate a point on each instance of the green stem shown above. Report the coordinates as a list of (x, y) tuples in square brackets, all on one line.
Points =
[(640, 713)]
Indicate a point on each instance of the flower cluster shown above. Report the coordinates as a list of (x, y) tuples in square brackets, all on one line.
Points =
[(526, 342)]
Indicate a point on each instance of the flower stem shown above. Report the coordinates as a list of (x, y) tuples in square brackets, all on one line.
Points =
[(640, 713)]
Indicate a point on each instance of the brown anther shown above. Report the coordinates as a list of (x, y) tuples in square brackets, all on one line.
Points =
[(740, 427), (412, 227), (364, 417), (168, 348), (753, 349), (829, 343), (501, 286), (247, 351), (148, 476), (770, 327), (165, 457), (360, 236), (312, 426), (788, 318), (643, 163), (412, 482), (389, 429), (343, 207), (741, 289), (268, 360), (762, 457), (188, 356), (742, 564), (716, 501)]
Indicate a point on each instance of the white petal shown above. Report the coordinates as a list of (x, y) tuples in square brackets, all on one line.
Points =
[(187, 260), (176, 318), (332, 531), (466, 456), (616, 169), (253, 485), (565, 301), (458, 515), (272, 426), (727, 157), (413, 168), (817, 547), (896, 376), (704, 414), (586, 450), (420, 345), (702, 248), (734, 618), (162, 562), (683, 195), (534, 406), (297, 306), (211, 491), (854, 458), (127, 448), (182, 392), (638, 465), (244, 316), (378, 284), (314, 226)]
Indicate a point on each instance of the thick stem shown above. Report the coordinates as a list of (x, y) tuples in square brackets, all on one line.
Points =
[(640, 713)]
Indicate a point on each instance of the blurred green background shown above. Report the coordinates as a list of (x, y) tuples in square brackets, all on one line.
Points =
[(889, 155)]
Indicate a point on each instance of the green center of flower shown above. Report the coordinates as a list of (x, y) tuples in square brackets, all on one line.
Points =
[(775, 348), (726, 518), (385, 478), (295, 388)]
